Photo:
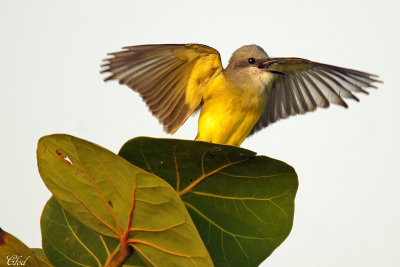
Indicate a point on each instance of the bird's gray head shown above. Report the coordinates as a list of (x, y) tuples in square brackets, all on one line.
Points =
[(247, 68), (248, 56)]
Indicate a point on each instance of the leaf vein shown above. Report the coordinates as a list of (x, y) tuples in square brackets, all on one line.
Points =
[(105, 245), (79, 240), (235, 198), (252, 212), (163, 249), (279, 207), (158, 230), (178, 178), (144, 158), (241, 248), (110, 178), (65, 256), (204, 176), (222, 229), (144, 255), (256, 177)]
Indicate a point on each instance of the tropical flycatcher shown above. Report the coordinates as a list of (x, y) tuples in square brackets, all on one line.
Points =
[(253, 91)]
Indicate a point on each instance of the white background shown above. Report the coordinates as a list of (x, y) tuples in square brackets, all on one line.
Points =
[(347, 207)]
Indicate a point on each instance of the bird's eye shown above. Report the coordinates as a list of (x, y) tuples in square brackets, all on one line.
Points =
[(251, 60)]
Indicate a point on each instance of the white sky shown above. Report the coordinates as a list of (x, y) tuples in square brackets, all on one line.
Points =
[(347, 207)]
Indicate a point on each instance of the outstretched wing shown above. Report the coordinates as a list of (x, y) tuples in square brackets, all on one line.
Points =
[(170, 78), (306, 85)]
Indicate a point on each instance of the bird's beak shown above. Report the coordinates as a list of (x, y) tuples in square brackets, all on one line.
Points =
[(265, 65)]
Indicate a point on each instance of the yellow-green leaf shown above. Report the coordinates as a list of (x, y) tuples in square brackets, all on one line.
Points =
[(15, 253), (119, 200)]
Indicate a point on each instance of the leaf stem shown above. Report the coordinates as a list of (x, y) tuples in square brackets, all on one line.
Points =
[(121, 256)]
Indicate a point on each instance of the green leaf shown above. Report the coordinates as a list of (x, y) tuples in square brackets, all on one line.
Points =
[(242, 204), (75, 244), (121, 201), (14, 252)]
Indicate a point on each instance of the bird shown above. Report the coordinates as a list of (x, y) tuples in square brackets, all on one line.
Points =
[(250, 93)]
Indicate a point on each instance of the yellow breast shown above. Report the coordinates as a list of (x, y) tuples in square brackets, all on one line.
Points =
[(229, 112)]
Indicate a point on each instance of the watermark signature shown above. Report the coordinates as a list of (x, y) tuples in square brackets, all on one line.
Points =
[(15, 260)]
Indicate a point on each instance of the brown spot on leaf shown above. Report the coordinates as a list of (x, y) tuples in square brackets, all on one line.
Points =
[(3, 237), (110, 203), (213, 151)]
